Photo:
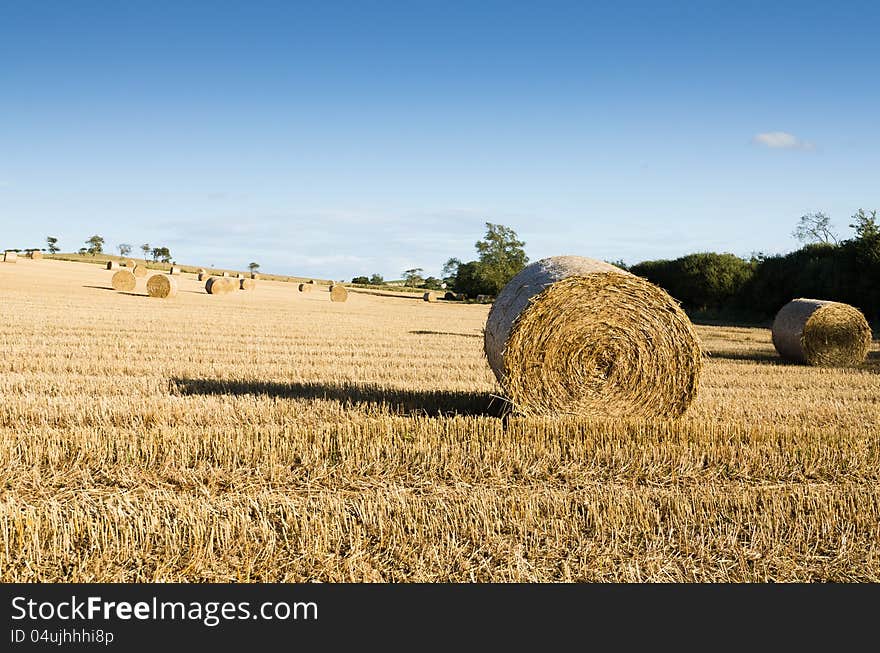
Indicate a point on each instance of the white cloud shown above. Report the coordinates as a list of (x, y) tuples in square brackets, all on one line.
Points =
[(781, 141)]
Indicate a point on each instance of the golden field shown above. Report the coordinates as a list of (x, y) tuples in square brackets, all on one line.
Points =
[(276, 436)]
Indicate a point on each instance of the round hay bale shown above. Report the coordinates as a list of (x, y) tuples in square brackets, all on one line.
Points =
[(140, 271), (305, 287), (450, 296), (429, 297), (578, 336), (123, 280), (820, 332), (10, 257), (129, 263), (225, 274), (254, 276), (246, 284), (202, 275), (112, 265), (175, 269), (338, 293), (161, 285), (312, 281), (35, 255), (218, 286)]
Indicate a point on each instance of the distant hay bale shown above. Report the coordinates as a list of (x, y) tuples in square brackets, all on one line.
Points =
[(123, 280), (246, 284), (311, 281), (429, 297), (820, 332), (129, 263), (482, 299), (239, 275), (254, 276), (35, 254), (175, 269), (10, 257), (572, 335), (305, 287), (200, 271), (112, 265), (338, 293), (225, 274), (202, 275), (140, 271), (218, 286), (161, 285), (450, 296)]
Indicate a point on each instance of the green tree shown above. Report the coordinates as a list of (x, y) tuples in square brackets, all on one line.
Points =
[(413, 277), (815, 228), (865, 225), (95, 245), (52, 243), (360, 280), (432, 283), (253, 267), (146, 249), (161, 253), (502, 256), (124, 249), (377, 280)]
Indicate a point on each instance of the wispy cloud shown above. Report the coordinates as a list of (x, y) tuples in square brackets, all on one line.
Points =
[(781, 141)]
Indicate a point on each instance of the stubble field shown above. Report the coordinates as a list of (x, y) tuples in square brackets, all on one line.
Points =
[(275, 436)]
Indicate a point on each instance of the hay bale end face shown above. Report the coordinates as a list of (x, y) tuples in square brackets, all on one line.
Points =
[(305, 287), (123, 280), (572, 335), (429, 297), (822, 333), (162, 286), (225, 274), (140, 271), (175, 269), (112, 265), (246, 284), (10, 257), (338, 293), (202, 275)]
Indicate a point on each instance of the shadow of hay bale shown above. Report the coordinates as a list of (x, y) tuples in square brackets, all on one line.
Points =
[(431, 403)]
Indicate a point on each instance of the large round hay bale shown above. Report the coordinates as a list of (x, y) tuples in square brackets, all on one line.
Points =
[(246, 284), (112, 265), (129, 263), (161, 285), (35, 254), (578, 336), (821, 332), (218, 286), (429, 297), (305, 287), (338, 293), (139, 271), (10, 257), (123, 280)]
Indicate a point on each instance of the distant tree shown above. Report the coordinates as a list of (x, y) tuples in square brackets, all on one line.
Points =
[(865, 225), (253, 267), (377, 280), (619, 263), (83, 251), (146, 249), (52, 242), (470, 280), (95, 245), (502, 256), (815, 228), (450, 270), (432, 283), (161, 253), (124, 249), (413, 277), (361, 280)]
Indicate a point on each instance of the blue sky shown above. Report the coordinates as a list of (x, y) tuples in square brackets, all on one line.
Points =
[(336, 139)]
